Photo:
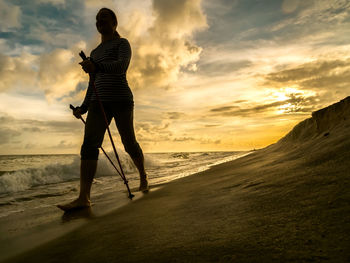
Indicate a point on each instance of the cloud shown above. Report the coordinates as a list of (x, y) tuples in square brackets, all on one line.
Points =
[(149, 132), (209, 141), (244, 112), (289, 6), (296, 103), (54, 2), (46, 25), (161, 40), (43, 52), (315, 22), (7, 135), (200, 140), (175, 19), (64, 145), (9, 16), (221, 67), (30, 146), (59, 73), (56, 73), (174, 115), (18, 71), (38, 126), (323, 11), (165, 48), (98, 4), (167, 132), (32, 129), (211, 125), (250, 25), (308, 70), (61, 145), (183, 139), (27, 135), (319, 76), (224, 108)]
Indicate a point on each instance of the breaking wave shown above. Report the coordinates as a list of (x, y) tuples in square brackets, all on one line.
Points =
[(20, 180)]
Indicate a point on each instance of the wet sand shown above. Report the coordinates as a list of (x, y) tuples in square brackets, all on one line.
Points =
[(288, 202), (24, 230)]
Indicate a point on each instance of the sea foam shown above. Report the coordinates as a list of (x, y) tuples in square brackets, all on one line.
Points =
[(20, 180)]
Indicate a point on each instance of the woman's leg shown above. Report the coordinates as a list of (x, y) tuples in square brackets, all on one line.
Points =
[(95, 128), (124, 120)]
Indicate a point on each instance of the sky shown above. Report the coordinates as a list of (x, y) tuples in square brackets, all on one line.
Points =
[(206, 75)]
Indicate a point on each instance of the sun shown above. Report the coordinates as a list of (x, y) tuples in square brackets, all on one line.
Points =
[(284, 95), (280, 96)]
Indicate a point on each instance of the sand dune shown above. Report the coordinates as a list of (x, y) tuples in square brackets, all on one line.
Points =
[(288, 202)]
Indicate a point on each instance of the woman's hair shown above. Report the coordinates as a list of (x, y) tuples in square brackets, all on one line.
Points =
[(113, 15)]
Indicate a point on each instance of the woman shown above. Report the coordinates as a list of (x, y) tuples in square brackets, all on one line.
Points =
[(107, 67)]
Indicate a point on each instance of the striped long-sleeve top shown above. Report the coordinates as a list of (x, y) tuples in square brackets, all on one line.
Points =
[(112, 59)]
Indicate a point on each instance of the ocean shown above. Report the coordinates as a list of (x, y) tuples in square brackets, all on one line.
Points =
[(37, 181)]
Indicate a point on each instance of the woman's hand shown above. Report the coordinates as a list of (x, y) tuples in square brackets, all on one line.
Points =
[(88, 66), (77, 112)]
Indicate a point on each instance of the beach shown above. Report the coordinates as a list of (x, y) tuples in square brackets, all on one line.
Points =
[(288, 202), (32, 185)]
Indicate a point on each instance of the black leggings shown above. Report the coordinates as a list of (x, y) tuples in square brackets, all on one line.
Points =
[(95, 128)]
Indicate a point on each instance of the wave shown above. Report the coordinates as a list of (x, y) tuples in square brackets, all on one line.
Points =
[(158, 165), (180, 155), (21, 180)]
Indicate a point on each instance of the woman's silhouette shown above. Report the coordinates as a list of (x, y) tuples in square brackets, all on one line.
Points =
[(107, 67)]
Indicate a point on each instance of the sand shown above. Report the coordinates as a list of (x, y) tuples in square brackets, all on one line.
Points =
[(288, 202)]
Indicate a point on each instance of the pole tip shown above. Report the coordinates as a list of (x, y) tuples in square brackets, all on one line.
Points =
[(131, 196)]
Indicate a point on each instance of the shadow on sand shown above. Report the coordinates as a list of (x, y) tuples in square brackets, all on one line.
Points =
[(75, 214)]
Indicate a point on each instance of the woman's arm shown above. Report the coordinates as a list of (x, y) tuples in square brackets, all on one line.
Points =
[(119, 66)]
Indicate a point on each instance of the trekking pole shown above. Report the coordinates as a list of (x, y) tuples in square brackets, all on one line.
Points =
[(82, 55), (82, 119)]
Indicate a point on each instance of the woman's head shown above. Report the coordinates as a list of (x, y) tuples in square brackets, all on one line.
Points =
[(106, 21)]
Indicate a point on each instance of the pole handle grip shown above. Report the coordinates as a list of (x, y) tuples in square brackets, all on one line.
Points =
[(82, 55)]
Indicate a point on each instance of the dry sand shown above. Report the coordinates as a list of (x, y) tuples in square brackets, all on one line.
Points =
[(288, 202)]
